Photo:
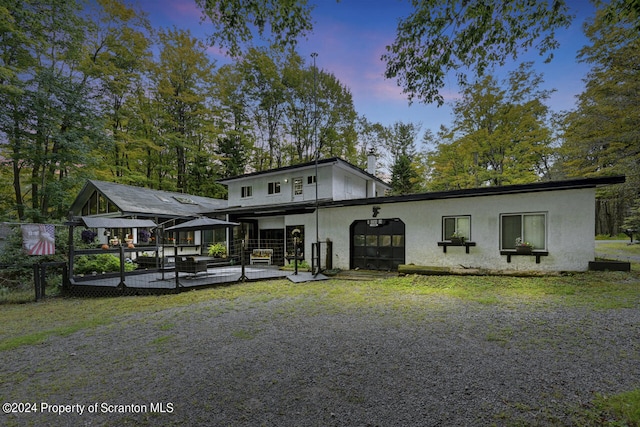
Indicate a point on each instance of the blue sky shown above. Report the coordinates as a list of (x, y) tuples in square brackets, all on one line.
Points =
[(350, 37)]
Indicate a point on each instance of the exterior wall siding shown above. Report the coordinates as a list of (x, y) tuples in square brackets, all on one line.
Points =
[(260, 187), (570, 221)]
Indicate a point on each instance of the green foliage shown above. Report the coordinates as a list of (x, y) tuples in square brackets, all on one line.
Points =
[(624, 407), (302, 265), (601, 136), (500, 135), (236, 21), (445, 35), (101, 263), (406, 167), (217, 250), (404, 176), (48, 122)]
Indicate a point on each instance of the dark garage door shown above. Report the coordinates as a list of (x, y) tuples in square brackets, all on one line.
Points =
[(377, 244)]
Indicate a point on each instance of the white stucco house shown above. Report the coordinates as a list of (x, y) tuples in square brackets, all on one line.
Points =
[(360, 227), (368, 230)]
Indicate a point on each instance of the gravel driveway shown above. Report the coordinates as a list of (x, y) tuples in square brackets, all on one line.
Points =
[(439, 361)]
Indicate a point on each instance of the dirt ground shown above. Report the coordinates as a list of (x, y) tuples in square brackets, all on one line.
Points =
[(439, 361)]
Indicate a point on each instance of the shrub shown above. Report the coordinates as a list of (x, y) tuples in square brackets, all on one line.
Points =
[(103, 263), (217, 250), (302, 265)]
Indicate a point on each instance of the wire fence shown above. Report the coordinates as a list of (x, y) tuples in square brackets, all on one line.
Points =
[(155, 270)]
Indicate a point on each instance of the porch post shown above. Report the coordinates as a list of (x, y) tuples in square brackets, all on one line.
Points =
[(175, 262)]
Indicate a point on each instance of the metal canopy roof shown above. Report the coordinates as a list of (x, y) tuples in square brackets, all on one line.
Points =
[(203, 223), (103, 222)]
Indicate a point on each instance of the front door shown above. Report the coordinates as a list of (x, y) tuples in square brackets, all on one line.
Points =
[(377, 244)]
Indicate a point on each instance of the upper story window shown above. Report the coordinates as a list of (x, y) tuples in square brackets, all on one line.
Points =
[(273, 187), (530, 227), (458, 225), (246, 191), (311, 179), (297, 186), (348, 186), (98, 203)]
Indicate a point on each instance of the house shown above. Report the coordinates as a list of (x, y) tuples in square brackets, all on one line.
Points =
[(271, 204), (361, 228), (358, 227), (106, 205)]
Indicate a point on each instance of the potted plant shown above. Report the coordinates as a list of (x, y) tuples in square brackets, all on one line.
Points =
[(88, 236), (217, 250), (457, 239), (143, 236), (523, 247)]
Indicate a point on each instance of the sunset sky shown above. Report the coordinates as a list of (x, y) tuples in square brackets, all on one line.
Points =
[(350, 37)]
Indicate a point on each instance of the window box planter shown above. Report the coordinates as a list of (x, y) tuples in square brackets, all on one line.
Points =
[(446, 243), (524, 249), (513, 252)]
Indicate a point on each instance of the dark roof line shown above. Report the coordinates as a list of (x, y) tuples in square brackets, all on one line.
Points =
[(569, 184), (146, 202), (304, 165)]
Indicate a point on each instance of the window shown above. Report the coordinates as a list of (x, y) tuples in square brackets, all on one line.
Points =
[(311, 179), (348, 186), (273, 188), (460, 225), (185, 200), (531, 227), (246, 191), (297, 186)]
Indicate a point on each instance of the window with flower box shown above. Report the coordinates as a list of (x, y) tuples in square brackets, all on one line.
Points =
[(456, 225), (530, 227)]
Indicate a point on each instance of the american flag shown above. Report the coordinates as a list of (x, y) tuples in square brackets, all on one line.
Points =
[(39, 239)]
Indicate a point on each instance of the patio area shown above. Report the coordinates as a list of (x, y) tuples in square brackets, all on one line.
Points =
[(159, 281)]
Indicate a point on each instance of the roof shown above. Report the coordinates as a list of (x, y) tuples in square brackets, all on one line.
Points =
[(571, 184), (254, 211), (146, 202), (239, 212), (322, 162), (106, 222)]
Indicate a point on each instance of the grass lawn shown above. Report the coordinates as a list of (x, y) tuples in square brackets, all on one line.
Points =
[(619, 248)]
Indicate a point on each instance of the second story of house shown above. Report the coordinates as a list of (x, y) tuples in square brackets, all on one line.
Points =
[(336, 180)]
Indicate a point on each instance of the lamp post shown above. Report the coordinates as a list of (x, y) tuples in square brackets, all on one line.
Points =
[(314, 55)]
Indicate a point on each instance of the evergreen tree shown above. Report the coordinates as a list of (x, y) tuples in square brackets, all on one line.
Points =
[(602, 136), (400, 143)]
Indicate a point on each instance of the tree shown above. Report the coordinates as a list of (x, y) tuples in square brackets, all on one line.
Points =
[(118, 55), (235, 141), (602, 136), (237, 21), (455, 35), (405, 166), (49, 120), (301, 108), (500, 135), (182, 80), (266, 93)]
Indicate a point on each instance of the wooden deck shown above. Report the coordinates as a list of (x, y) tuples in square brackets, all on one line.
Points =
[(164, 281)]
